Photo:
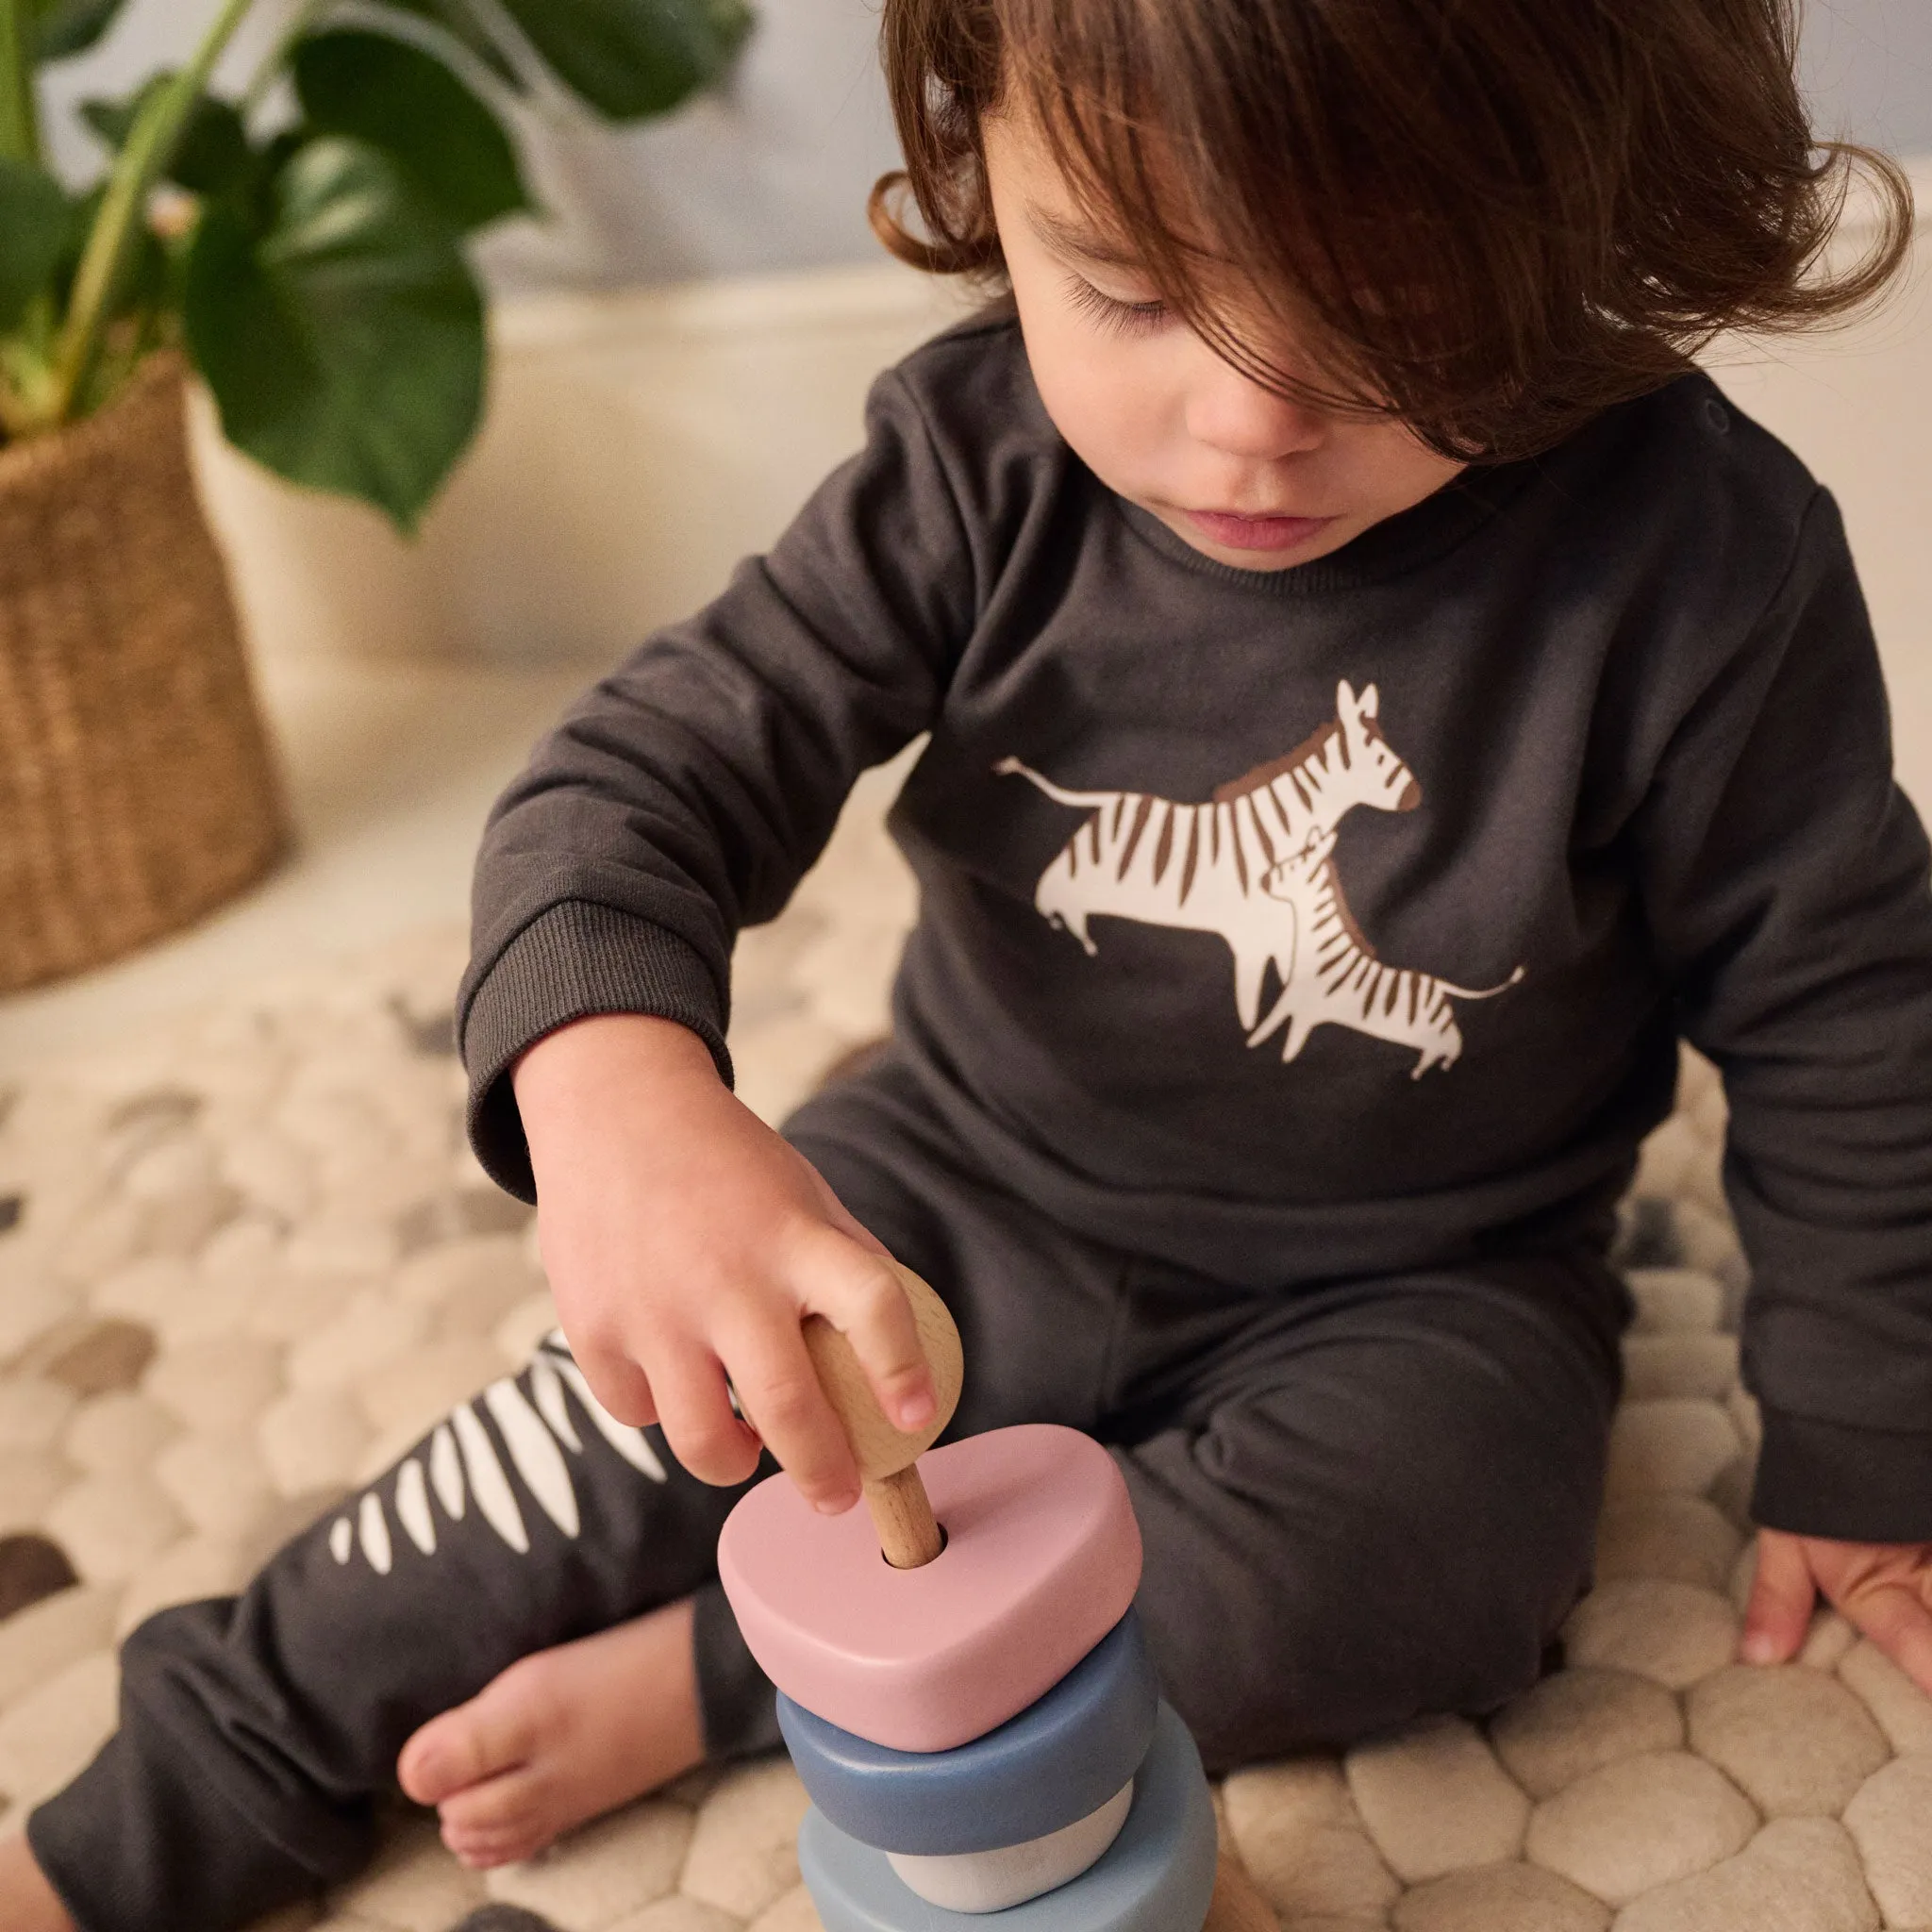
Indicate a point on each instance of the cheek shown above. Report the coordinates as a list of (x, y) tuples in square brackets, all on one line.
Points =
[(1395, 471), (1111, 421)]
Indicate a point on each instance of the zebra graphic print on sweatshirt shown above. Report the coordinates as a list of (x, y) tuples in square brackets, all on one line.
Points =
[(460, 1464), (1255, 865), (1343, 982)]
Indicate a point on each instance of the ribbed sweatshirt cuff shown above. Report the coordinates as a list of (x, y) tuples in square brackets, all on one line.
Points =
[(1855, 1485), (573, 960)]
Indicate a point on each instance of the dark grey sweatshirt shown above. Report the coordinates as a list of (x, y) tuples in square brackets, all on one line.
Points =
[(1333, 920)]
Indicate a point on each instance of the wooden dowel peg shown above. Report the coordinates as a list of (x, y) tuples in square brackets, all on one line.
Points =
[(900, 1512)]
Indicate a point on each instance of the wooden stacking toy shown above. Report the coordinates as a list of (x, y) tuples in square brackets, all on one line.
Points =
[(962, 1682), (1060, 1760)]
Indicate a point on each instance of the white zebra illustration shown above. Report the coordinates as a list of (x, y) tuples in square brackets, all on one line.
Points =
[(464, 1465), (1339, 979), (1199, 866), (1254, 864)]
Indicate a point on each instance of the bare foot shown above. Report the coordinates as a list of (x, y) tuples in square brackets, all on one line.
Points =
[(28, 1902), (558, 1738)]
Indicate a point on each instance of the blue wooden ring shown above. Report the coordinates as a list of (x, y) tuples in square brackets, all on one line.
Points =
[(1060, 1758), (1156, 1877)]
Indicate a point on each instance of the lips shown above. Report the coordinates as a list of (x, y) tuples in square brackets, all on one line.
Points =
[(1233, 531)]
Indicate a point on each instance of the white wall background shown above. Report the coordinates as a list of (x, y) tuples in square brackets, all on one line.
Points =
[(1868, 69), (773, 172)]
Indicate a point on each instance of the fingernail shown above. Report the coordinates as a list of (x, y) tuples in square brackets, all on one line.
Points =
[(1758, 1648), (915, 1411), (836, 1505)]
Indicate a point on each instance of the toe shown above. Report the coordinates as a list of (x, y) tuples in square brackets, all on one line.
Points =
[(510, 1803), (481, 1853), (497, 1823), (463, 1747)]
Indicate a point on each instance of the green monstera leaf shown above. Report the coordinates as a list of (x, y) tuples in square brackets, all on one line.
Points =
[(315, 263), (65, 28), (402, 100), (214, 155), (629, 58), (343, 340)]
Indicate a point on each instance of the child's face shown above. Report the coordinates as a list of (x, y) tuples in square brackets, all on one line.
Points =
[(1244, 475)]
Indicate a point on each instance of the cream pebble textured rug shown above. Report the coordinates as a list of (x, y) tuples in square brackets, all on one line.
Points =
[(245, 1261)]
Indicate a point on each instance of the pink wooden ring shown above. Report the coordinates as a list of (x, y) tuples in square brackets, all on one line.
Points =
[(1042, 1558)]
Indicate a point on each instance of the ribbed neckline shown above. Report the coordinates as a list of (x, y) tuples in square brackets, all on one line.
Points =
[(1398, 544)]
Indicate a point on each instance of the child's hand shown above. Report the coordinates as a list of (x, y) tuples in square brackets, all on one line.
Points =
[(1885, 1589), (686, 1242)]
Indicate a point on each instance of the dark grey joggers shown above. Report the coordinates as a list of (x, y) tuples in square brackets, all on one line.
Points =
[(1361, 1500)]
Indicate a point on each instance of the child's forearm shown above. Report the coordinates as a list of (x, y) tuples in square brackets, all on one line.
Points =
[(685, 795)]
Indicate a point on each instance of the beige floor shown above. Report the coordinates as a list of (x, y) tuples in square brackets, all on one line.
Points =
[(251, 1265)]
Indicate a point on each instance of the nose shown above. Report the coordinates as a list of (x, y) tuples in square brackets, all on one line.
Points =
[(1232, 414)]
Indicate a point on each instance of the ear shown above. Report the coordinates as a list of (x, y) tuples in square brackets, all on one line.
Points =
[(1344, 699), (1372, 702)]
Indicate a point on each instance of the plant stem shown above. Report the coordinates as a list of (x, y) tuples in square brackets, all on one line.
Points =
[(141, 162), (20, 120)]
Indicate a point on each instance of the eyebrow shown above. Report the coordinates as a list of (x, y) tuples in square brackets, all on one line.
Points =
[(1070, 237)]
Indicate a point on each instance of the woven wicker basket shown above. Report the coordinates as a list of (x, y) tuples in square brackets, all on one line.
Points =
[(136, 786)]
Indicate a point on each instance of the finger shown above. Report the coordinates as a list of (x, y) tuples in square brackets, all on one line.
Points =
[(779, 1392), (616, 1381), (1779, 1612), (842, 1217), (1894, 1619), (695, 1411), (861, 1297)]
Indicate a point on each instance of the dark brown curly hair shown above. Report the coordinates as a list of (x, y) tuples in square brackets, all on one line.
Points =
[(1493, 219)]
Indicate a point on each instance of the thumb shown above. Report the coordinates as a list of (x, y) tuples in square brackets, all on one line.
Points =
[(1782, 1594)]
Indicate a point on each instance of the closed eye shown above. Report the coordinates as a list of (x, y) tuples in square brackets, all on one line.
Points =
[(1112, 314)]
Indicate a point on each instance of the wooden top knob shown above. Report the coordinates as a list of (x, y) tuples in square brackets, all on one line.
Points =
[(885, 1454)]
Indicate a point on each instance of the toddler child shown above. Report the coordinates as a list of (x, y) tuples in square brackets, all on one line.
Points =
[(1379, 696)]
